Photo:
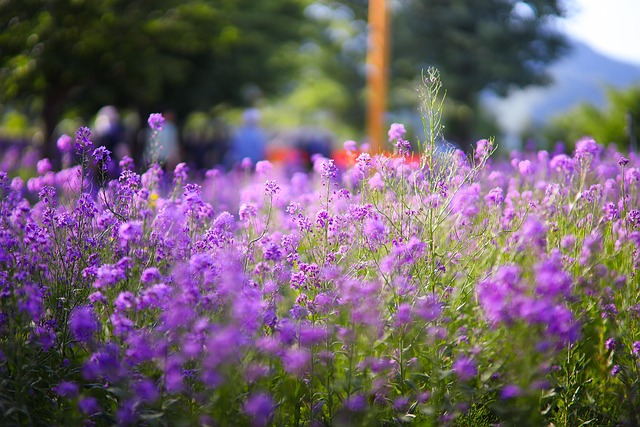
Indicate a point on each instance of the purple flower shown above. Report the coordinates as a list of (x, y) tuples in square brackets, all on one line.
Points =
[(146, 391), (271, 188), (586, 148), (635, 348), (83, 141), (562, 163), (67, 389), (403, 315), (429, 308), (43, 166), (64, 143), (150, 275), (551, 279), (156, 122), (510, 391), (126, 163), (180, 173), (129, 231), (526, 168), (356, 403), (483, 149), (89, 405), (295, 361), (615, 370), (396, 131), (328, 169), (363, 163), (633, 218), (259, 407), (350, 145), (465, 368), (124, 301), (264, 167), (83, 324), (623, 161), (611, 344), (403, 146), (126, 413), (102, 157), (494, 197)]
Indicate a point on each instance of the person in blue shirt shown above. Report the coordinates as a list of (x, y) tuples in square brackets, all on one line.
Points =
[(248, 141)]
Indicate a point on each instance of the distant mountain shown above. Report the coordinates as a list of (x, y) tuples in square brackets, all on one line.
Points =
[(581, 76)]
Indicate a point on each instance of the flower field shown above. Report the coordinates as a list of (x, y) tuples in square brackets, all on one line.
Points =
[(447, 290)]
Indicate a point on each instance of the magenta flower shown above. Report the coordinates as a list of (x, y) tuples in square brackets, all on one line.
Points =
[(156, 122), (465, 368), (83, 324), (396, 131), (259, 407), (64, 143)]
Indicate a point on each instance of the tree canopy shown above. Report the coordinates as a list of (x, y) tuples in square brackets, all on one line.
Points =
[(189, 55), (83, 54), (618, 122)]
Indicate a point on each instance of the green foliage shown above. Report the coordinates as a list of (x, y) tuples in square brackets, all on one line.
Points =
[(607, 125), (139, 54)]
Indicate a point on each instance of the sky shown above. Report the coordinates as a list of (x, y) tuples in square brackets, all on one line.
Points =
[(611, 27)]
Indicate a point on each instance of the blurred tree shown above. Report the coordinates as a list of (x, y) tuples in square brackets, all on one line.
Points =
[(189, 54), (618, 122), (477, 45)]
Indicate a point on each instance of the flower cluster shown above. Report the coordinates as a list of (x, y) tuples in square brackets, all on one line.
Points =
[(436, 292)]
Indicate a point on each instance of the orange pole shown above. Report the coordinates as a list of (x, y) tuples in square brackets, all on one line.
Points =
[(377, 73)]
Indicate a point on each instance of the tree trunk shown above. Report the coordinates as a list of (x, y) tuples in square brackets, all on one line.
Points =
[(51, 114)]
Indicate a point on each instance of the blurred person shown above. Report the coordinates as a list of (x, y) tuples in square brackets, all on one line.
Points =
[(248, 141), (110, 133), (164, 148)]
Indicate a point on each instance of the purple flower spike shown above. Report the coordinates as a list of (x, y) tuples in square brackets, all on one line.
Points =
[(83, 141), (156, 122), (396, 131), (259, 407), (465, 368)]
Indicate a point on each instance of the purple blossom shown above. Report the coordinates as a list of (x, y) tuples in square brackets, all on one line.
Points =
[(271, 188), (494, 197), (102, 157), (586, 148), (403, 146), (510, 391), (264, 167), (89, 405), (64, 143), (356, 403), (43, 166), (83, 324), (611, 344), (484, 148), (129, 231), (150, 275), (146, 391), (349, 146), (328, 169), (259, 407), (67, 389), (295, 361), (396, 131), (83, 141), (156, 122), (465, 368)]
